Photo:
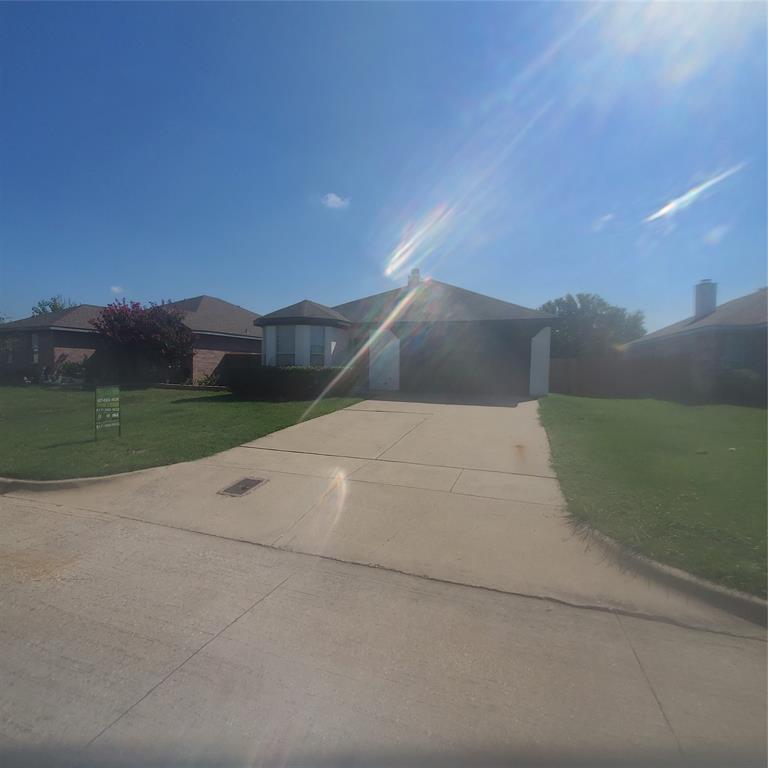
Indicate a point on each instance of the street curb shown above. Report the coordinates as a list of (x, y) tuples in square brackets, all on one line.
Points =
[(12, 484), (741, 604)]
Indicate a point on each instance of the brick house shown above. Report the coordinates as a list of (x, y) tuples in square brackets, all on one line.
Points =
[(716, 339), (221, 330), (427, 336)]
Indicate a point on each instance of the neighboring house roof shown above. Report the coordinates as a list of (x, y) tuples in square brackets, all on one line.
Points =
[(202, 314), (75, 318), (750, 311), (434, 301), (207, 314), (304, 312)]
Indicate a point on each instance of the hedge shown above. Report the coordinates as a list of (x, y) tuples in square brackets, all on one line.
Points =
[(291, 383)]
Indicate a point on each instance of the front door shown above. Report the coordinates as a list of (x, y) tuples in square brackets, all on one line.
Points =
[(384, 362)]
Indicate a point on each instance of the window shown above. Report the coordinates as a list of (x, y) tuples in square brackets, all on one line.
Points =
[(286, 345), (735, 351), (35, 348), (317, 346)]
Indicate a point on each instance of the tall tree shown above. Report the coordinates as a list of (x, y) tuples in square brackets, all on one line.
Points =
[(53, 304), (589, 326)]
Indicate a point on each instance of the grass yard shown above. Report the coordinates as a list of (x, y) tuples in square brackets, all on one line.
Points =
[(47, 434), (685, 485)]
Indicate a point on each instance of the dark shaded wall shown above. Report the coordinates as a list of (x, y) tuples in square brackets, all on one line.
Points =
[(54, 348), (709, 355), (472, 358), (706, 367), (57, 347)]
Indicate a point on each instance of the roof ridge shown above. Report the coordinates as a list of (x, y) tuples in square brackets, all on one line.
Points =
[(372, 296), (486, 296)]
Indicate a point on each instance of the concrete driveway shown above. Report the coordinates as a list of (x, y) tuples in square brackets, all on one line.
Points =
[(461, 493), (138, 617)]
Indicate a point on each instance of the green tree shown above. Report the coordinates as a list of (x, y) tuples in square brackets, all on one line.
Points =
[(589, 326), (53, 304)]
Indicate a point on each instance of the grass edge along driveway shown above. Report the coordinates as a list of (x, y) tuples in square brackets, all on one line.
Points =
[(48, 434), (684, 485)]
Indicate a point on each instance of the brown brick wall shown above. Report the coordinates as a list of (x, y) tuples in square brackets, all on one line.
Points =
[(71, 355), (211, 350), (57, 347), (54, 347)]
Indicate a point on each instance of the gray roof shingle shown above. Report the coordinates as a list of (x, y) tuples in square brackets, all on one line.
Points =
[(202, 314), (745, 312), (434, 301), (76, 318), (207, 314), (306, 311)]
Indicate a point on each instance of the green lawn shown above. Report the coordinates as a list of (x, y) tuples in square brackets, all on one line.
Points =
[(47, 434), (685, 485)]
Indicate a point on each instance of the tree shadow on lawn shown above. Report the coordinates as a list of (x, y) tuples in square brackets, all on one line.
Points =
[(230, 398), (88, 441)]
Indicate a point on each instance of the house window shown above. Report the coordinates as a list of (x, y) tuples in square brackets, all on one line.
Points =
[(35, 348), (735, 352), (286, 345), (317, 346)]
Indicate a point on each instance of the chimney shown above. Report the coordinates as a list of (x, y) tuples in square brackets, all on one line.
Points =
[(704, 298), (414, 278)]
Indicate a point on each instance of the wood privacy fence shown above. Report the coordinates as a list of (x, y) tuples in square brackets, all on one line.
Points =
[(616, 376)]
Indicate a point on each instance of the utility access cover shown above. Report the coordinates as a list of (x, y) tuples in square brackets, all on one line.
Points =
[(241, 487)]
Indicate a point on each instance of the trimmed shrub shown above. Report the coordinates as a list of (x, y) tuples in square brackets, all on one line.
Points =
[(291, 383), (72, 370), (741, 386), (207, 380)]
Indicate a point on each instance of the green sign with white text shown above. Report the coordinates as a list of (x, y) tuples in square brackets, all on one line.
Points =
[(107, 410)]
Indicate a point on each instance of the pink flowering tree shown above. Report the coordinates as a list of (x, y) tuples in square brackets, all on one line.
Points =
[(143, 341)]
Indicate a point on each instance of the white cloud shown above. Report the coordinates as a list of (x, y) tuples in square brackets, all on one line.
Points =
[(116, 289), (716, 234), (692, 195), (332, 200), (602, 221)]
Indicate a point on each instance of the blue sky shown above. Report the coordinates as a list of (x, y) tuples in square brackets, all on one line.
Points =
[(269, 153)]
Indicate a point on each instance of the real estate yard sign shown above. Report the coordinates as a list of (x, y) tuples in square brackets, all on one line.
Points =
[(107, 418)]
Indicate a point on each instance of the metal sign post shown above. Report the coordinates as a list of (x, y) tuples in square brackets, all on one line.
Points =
[(107, 410)]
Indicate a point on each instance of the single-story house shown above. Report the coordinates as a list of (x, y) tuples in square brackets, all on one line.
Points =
[(715, 339), (30, 345), (425, 336)]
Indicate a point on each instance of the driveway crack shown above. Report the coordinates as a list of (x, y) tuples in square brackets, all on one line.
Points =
[(403, 436), (650, 685), (189, 658)]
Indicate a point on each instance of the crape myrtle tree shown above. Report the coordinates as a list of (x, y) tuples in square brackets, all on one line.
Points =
[(141, 343)]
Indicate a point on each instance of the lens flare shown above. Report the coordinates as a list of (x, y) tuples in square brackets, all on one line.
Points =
[(406, 299), (692, 195), (421, 237)]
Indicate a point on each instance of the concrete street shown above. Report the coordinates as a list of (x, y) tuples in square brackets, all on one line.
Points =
[(405, 583)]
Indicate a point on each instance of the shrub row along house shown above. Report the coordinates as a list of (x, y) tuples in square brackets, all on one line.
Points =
[(426, 336), (45, 342)]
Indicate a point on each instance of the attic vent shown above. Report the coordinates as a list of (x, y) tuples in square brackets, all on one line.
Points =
[(241, 487)]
